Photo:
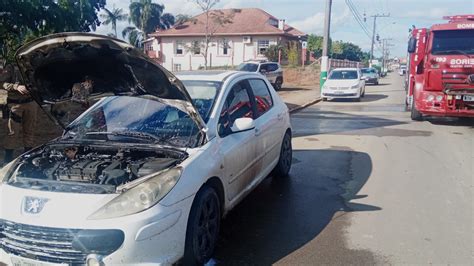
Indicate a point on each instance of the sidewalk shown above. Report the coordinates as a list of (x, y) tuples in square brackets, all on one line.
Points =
[(299, 97)]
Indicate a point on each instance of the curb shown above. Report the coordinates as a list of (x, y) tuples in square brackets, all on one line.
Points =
[(300, 107)]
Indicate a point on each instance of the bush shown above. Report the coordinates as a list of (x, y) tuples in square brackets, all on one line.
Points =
[(273, 51), (293, 55)]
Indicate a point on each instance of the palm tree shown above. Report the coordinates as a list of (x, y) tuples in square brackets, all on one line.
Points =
[(112, 16), (148, 16), (135, 36)]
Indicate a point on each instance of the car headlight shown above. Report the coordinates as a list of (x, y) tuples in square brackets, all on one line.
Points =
[(7, 170), (140, 197)]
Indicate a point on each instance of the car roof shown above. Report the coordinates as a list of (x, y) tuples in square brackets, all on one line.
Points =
[(260, 62), (211, 75)]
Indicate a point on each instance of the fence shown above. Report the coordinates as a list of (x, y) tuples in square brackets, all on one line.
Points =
[(336, 63)]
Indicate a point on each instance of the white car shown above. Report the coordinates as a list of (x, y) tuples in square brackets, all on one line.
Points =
[(144, 175), (344, 83)]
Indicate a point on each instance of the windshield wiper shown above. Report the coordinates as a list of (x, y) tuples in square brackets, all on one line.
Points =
[(132, 134)]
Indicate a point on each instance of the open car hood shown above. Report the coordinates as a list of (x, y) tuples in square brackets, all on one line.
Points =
[(51, 65)]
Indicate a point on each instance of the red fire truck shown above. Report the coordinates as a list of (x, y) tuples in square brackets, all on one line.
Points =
[(440, 75)]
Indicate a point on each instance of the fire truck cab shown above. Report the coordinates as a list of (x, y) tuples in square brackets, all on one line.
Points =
[(440, 75)]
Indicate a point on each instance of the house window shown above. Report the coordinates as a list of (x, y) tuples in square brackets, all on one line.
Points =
[(179, 48), (224, 47), (262, 46), (148, 46), (177, 67), (196, 47)]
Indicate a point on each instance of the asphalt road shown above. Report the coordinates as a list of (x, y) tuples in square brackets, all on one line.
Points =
[(368, 186)]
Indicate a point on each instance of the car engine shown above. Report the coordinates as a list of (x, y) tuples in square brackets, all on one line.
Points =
[(93, 165)]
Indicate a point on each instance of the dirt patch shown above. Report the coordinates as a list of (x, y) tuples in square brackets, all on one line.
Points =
[(308, 76)]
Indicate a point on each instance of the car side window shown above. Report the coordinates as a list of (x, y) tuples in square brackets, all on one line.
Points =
[(237, 105), (263, 98), (272, 67), (264, 67)]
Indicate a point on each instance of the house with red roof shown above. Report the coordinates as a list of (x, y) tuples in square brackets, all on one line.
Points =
[(247, 35)]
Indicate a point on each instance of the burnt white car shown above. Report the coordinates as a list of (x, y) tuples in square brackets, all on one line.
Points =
[(147, 170)]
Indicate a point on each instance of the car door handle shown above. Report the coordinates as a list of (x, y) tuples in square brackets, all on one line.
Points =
[(257, 132), (280, 116)]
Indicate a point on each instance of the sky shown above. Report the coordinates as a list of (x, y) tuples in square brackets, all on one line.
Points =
[(308, 16)]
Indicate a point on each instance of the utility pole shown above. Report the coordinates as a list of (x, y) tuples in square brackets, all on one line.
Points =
[(324, 57), (373, 34), (385, 47)]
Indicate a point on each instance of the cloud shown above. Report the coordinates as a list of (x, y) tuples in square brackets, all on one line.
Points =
[(315, 23)]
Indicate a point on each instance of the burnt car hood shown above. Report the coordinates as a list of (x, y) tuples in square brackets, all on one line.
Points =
[(51, 65)]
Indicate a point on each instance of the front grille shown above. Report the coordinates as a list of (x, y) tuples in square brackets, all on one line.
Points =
[(40, 243)]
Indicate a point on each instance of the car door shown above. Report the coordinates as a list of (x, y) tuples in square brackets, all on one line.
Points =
[(265, 70), (238, 150), (268, 125)]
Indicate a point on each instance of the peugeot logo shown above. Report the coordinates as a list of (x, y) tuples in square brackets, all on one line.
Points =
[(33, 205)]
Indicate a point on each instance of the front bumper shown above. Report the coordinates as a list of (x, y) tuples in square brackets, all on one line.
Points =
[(342, 94), (153, 237), (440, 104), (371, 80)]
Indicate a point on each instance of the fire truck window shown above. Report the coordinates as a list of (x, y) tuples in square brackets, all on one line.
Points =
[(263, 99), (237, 105)]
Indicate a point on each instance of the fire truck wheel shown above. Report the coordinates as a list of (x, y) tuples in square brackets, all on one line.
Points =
[(415, 114)]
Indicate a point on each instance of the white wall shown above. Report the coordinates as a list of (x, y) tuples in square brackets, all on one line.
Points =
[(238, 52)]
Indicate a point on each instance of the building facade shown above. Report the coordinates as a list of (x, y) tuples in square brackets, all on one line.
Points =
[(247, 36)]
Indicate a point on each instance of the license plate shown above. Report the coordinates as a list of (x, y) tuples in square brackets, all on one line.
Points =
[(468, 98), (338, 92), (17, 261)]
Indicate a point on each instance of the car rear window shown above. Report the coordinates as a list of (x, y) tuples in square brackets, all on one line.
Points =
[(249, 67)]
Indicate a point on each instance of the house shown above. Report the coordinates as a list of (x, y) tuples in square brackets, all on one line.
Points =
[(248, 35)]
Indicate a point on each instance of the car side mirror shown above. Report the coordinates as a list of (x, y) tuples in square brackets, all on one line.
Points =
[(243, 124), (412, 45)]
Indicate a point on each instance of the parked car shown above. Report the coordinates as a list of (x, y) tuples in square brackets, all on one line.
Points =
[(271, 70), (147, 172), (402, 70), (344, 83), (370, 75)]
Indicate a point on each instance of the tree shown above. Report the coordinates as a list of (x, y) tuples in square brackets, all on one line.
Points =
[(273, 52), (181, 19), (347, 50), (24, 20), (213, 20), (112, 17), (293, 54), (147, 17)]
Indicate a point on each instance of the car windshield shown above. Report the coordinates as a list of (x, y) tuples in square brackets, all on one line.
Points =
[(367, 70), (134, 120), (203, 94), (449, 42), (249, 67), (343, 74)]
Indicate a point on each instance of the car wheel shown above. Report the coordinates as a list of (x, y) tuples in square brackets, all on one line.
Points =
[(325, 99), (203, 227), (415, 114), (357, 99), (286, 157), (363, 92), (376, 82), (278, 84)]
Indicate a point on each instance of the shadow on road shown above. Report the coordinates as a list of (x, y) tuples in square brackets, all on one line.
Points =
[(451, 121), (283, 215), (369, 97), (314, 121)]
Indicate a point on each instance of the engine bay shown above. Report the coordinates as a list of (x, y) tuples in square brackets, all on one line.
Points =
[(93, 165)]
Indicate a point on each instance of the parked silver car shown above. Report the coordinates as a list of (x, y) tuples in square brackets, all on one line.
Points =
[(370, 75), (271, 70)]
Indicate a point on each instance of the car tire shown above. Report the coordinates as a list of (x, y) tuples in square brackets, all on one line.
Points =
[(278, 84), (203, 227), (324, 99), (377, 82), (415, 114), (282, 169), (363, 93)]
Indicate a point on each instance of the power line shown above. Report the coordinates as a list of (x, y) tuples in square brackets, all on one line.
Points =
[(359, 20)]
